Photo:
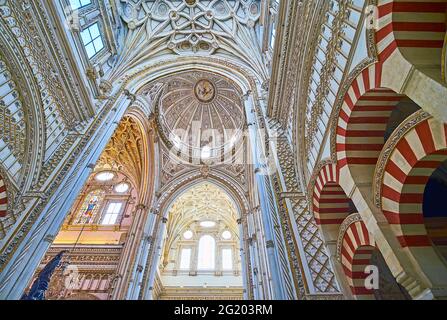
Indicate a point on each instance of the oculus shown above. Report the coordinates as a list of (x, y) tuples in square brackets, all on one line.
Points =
[(226, 235), (188, 235)]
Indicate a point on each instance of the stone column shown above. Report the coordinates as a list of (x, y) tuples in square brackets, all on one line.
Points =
[(274, 241), (146, 244)]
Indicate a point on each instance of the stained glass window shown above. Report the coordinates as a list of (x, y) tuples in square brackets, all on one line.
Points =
[(90, 207)]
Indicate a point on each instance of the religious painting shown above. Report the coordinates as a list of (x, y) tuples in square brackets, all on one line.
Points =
[(205, 91)]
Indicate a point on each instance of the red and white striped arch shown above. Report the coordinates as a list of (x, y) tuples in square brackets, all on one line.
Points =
[(363, 119), (3, 199), (416, 28), (356, 251), (407, 171), (330, 203)]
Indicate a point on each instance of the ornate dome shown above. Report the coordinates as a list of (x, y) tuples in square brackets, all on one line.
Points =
[(201, 113)]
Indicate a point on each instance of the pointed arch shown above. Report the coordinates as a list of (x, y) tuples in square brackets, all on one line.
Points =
[(178, 186)]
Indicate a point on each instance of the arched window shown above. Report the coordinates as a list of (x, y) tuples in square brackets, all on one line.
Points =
[(90, 207), (207, 253)]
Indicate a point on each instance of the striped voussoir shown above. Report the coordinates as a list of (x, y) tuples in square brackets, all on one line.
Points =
[(357, 248), (407, 171), (3, 199), (416, 28), (363, 119), (330, 203)]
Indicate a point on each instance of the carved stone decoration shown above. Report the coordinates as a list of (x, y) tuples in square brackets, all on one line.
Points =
[(344, 87), (155, 28), (180, 182), (191, 25), (78, 153), (125, 151), (197, 110), (317, 259), (205, 171)]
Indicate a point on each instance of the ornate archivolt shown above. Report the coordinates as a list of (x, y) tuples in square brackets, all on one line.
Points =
[(322, 78), (406, 126), (203, 202), (171, 168), (444, 60), (193, 109), (38, 114), (60, 104), (220, 182), (21, 130)]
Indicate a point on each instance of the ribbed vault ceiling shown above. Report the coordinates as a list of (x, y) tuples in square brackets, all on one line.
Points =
[(204, 202)]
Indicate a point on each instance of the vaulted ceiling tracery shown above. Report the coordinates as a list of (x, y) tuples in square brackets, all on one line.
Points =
[(191, 25), (125, 151), (204, 202), (191, 28)]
